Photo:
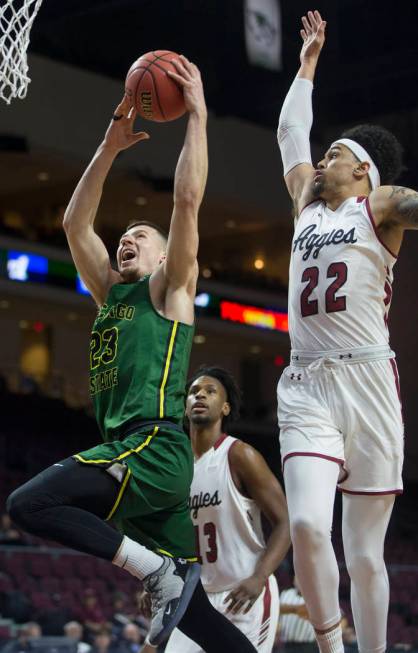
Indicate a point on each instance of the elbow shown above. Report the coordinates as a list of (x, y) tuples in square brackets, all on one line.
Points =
[(67, 221), (187, 200), (66, 224), (284, 129)]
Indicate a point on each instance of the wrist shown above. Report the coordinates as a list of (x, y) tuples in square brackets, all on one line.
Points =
[(199, 115), (307, 70), (108, 150), (261, 575)]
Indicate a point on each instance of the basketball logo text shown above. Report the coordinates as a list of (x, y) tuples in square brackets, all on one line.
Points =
[(146, 104)]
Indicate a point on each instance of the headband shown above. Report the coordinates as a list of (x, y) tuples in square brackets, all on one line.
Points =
[(362, 155)]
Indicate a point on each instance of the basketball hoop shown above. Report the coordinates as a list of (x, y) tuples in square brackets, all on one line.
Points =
[(16, 18)]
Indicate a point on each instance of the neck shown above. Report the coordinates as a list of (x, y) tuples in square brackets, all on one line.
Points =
[(204, 436), (334, 200)]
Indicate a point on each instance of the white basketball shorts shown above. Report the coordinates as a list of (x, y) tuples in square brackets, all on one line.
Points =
[(345, 406), (259, 624)]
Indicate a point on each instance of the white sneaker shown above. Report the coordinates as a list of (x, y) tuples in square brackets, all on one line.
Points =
[(171, 587)]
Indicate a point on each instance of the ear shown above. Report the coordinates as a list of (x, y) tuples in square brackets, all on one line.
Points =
[(361, 170), (226, 409), (162, 257)]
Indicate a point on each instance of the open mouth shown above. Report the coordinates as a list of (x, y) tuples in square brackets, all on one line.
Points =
[(127, 255)]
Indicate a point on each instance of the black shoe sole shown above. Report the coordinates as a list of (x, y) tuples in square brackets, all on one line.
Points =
[(190, 582)]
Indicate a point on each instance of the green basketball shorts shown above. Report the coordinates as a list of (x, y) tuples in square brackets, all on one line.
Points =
[(154, 467)]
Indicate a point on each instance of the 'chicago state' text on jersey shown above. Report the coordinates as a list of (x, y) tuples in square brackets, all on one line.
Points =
[(340, 279), (228, 528)]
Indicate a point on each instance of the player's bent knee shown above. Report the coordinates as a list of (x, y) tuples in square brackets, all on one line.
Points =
[(307, 532), (362, 567), (24, 506), (17, 506)]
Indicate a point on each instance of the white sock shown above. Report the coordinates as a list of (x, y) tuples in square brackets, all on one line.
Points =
[(136, 559), (331, 642)]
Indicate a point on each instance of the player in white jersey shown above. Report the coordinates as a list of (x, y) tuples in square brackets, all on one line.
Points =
[(338, 401), (232, 486)]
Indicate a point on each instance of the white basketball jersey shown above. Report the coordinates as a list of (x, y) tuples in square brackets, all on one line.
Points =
[(228, 525), (340, 281)]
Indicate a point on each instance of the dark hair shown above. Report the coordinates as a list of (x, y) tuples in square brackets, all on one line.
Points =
[(383, 147), (233, 393), (147, 223)]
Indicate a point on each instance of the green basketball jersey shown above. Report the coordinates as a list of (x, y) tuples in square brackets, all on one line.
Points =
[(138, 361)]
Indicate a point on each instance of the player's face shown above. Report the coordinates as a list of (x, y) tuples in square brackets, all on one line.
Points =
[(206, 401), (141, 249), (334, 171)]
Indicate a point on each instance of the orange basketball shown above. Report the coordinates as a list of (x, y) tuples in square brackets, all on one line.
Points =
[(152, 92)]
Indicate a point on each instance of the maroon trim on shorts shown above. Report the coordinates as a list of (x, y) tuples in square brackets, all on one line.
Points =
[(220, 440), (341, 489), (314, 455), (266, 613), (372, 220), (396, 375), (398, 385)]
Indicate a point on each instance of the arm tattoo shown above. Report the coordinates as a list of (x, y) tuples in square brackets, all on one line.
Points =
[(406, 206)]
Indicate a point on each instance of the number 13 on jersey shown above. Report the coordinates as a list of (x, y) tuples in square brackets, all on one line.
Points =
[(206, 544)]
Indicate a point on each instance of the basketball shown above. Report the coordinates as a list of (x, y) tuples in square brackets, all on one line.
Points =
[(152, 92)]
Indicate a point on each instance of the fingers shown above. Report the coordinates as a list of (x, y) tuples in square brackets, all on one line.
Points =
[(140, 136), (123, 106), (312, 22), (132, 114), (186, 70), (183, 67), (178, 78), (238, 601), (306, 25), (250, 605)]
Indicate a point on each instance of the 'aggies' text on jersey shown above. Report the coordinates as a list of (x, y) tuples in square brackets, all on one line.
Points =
[(340, 280)]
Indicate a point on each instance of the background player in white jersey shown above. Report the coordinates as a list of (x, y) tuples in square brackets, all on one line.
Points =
[(338, 404), (294, 625), (232, 486)]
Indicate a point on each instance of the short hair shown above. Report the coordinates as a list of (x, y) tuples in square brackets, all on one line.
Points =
[(383, 147), (147, 223), (225, 378)]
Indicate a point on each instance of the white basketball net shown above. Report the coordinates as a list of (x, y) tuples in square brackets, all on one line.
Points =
[(15, 26)]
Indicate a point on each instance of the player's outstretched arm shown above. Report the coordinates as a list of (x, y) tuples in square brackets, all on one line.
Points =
[(296, 116), (180, 266), (89, 253), (255, 479)]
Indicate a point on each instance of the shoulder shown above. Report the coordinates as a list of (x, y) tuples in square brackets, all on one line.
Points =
[(245, 461), (387, 202), (240, 452)]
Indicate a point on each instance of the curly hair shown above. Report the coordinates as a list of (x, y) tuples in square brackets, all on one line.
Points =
[(383, 147), (225, 378)]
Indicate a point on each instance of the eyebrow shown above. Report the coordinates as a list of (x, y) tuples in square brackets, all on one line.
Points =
[(334, 147), (212, 386), (134, 233)]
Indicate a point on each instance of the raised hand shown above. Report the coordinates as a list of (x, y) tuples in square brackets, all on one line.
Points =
[(188, 77), (120, 134), (313, 35)]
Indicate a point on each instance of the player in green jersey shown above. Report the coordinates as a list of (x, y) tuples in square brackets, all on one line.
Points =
[(139, 354)]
